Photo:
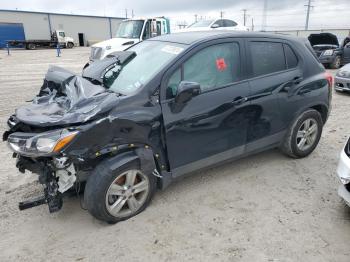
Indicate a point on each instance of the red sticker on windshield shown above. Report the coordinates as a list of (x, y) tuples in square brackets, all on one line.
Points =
[(221, 64)]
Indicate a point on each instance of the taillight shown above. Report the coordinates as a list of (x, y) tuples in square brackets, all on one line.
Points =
[(329, 78)]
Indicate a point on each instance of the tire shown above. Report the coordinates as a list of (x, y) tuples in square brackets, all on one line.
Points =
[(99, 200), (292, 143), (31, 46), (70, 45), (336, 63)]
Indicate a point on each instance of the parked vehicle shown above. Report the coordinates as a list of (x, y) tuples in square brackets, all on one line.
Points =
[(328, 50), (57, 37), (130, 32), (215, 24), (343, 172), (342, 79), (164, 108)]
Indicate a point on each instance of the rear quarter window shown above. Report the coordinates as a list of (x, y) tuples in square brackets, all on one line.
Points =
[(291, 58), (267, 57)]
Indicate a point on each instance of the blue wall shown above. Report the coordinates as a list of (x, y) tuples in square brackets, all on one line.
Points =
[(10, 31)]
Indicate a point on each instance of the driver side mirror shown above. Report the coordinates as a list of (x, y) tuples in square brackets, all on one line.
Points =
[(215, 26), (186, 91)]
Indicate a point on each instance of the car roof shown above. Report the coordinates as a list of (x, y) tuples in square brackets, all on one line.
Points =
[(189, 38)]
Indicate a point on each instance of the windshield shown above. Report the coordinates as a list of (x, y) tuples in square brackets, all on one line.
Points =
[(130, 29), (202, 23), (150, 57)]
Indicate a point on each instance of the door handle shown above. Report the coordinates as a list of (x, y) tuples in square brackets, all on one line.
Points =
[(239, 100), (297, 80)]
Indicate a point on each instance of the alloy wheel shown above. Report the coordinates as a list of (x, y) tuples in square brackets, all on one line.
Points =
[(307, 134), (127, 193)]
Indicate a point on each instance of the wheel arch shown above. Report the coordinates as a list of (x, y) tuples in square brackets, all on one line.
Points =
[(323, 110)]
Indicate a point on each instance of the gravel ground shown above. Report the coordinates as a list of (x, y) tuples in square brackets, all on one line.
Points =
[(263, 208)]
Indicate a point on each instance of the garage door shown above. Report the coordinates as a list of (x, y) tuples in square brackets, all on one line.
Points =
[(10, 31)]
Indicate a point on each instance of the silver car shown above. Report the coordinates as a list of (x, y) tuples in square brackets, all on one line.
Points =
[(342, 79)]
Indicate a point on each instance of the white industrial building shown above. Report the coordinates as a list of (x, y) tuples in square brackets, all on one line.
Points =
[(38, 25)]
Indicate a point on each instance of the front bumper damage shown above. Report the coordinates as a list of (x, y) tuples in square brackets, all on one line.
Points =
[(56, 175), (343, 172)]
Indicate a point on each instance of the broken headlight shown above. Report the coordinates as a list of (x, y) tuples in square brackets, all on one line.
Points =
[(42, 144)]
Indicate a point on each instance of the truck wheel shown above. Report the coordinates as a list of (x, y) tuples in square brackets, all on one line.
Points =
[(114, 196), (31, 46), (303, 135), (70, 45), (336, 63)]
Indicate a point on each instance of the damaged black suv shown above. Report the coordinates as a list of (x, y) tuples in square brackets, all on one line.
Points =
[(168, 106)]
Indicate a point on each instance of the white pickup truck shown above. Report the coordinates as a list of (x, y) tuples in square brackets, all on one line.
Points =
[(130, 31)]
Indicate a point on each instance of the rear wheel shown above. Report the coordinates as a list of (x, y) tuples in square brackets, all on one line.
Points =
[(303, 135), (114, 196), (31, 46)]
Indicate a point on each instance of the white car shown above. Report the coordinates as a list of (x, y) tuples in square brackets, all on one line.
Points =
[(215, 24), (343, 172)]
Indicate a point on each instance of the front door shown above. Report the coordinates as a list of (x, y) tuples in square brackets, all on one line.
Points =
[(211, 127)]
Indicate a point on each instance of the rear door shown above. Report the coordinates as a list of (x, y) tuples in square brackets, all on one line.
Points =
[(211, 127), (270, 75)]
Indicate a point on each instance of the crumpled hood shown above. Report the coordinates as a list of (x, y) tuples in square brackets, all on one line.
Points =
[(66, 98)]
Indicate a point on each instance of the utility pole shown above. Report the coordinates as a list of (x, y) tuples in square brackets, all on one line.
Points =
[(309, 6), (195, 18), (126, 13), (244, 16), (132, 13), (221, 14), (264, 21), (252, 24)]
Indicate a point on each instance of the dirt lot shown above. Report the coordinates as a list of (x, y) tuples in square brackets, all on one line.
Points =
[(263, 208)]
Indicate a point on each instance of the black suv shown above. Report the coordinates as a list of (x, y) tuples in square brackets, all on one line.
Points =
[(164, 108), (329, 51)]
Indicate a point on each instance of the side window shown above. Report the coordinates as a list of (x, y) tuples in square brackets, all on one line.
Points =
[(214, 66), (159, 28), (62, 34), (147, 31), (292, 60), (229, 23), (220, 23), (267, 57), (173, 83)]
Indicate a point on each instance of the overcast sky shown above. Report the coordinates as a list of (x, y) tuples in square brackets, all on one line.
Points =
[(281, 14)]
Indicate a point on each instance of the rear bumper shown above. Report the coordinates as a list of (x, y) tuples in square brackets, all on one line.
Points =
[(341, 84)]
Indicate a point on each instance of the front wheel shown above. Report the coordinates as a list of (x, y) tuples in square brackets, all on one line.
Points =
[(303, 135), (114, 196), (70, 45)]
